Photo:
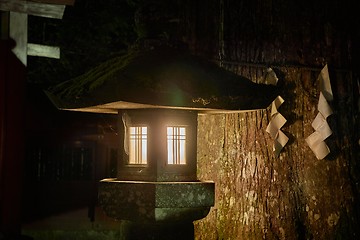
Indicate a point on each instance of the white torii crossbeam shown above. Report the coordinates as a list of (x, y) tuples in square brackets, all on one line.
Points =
[(17, 21)]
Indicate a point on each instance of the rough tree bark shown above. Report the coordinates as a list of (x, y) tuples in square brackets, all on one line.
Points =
[(295, 196)]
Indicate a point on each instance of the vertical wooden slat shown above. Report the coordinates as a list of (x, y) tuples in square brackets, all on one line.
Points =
[(18, 32)]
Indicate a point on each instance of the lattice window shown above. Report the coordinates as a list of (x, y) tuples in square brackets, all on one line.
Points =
[(138, 145), (176, 145)]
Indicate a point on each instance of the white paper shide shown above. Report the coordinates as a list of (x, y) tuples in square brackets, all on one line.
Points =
[(316, 140), (277, 120)]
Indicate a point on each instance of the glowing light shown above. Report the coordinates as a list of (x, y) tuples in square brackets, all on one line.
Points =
[(176, 145), (138, 145)]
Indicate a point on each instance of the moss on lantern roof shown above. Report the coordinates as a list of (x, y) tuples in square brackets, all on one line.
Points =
[(160, 77), (92, 79)]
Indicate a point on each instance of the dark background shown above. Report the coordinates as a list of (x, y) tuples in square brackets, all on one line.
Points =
[(68, 153)]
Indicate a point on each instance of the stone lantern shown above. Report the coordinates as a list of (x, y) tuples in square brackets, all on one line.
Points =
[(157, 94), (156, 180)]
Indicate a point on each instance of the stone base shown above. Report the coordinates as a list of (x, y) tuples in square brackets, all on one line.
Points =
[(158, 231), (149, 202)]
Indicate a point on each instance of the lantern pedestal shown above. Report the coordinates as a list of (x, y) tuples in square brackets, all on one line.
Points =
[(156, 202), (156, 231), (156, 210)]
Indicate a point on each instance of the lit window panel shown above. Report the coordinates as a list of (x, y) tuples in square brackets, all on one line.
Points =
[(138, 145), (176, 145)]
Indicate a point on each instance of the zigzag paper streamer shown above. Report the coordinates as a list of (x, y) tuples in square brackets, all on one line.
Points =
[(277, 120), (316, 140)]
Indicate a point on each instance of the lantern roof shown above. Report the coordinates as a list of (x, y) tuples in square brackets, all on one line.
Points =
[(161, 77)]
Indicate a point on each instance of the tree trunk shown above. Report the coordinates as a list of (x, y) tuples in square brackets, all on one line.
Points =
[(295, 195)]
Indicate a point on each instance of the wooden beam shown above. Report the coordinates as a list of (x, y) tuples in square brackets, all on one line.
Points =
[(33, 8), (43, 51), (60, 2)]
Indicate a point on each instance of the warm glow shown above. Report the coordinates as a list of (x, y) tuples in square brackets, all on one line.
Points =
[(138, 145), (176, 145)]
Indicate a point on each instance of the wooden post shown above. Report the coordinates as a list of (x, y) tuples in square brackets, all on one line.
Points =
[(12, 85), (13, 60)]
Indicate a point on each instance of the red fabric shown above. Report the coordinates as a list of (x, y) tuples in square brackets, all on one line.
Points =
[(12, 93)]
